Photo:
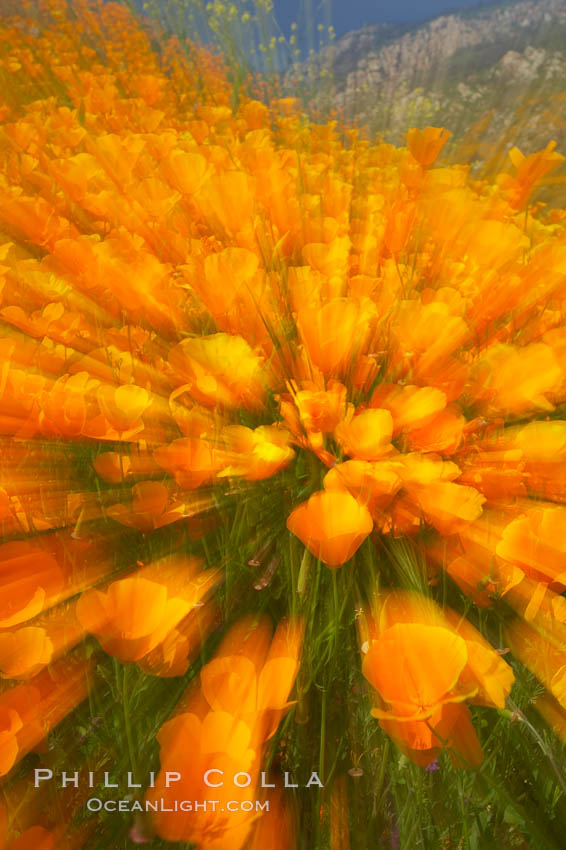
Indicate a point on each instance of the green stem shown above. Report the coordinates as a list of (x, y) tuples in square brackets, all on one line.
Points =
[(127, 724)]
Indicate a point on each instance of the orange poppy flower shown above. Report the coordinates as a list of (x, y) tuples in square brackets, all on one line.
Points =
[(332, 525), (256, 454), (217, 742), (253, 679), (155, 197), (137, 613), (230, 199), (407, 635), (220, 370), (530, 170), (31, 578), (426, 145), (65, 405), (450, 728), (174, 654), (444, 433), (366, 435), (29, 712), (115, 468), (402, 667), (151, 507), (184, 170), (398, 227), (123, 407), (541, 656), (427, 334), (411, 407), (235, 264), (320, 410), (534, 543), (371, 484), (10, 725), (24, 652), (191, 461), (446, 505), (223, 726), (515, 380), (116, 154), (334, 333), (329, 258), (483, 581)]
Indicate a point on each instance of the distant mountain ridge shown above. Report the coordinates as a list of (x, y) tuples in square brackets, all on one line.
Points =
[(493, 59), (427, 47)]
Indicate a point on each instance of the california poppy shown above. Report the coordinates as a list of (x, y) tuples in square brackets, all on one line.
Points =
[(332, 524)]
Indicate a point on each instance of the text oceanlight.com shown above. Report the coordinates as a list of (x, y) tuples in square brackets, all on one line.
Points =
[(95, 804)]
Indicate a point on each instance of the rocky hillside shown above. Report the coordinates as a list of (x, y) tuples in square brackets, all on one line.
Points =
[(493, 70)]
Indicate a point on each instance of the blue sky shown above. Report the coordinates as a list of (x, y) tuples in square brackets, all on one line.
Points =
[(352, 14)]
